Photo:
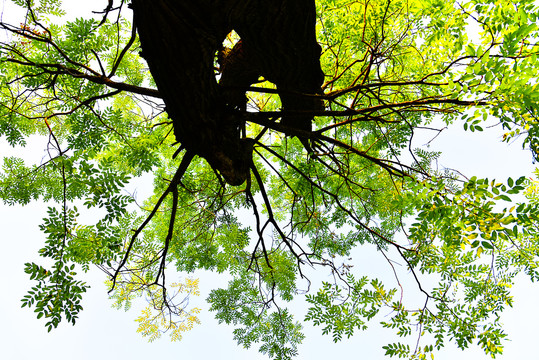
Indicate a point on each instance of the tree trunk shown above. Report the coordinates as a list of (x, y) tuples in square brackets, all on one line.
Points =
[(180, 40)]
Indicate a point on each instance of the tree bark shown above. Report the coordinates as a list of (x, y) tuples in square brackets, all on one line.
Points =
[(180, 39)]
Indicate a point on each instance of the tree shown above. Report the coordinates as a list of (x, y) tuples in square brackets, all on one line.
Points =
[(233, 115)]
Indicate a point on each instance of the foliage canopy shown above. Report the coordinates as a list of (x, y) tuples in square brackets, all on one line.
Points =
[(392, 68)]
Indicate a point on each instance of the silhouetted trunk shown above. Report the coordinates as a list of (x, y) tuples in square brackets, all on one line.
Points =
[(180, 40)]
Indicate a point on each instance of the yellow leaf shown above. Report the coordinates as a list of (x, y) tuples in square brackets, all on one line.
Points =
[(479, 251)]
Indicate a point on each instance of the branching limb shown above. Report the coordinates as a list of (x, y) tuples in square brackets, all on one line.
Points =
[(124, 51), (186, 160)]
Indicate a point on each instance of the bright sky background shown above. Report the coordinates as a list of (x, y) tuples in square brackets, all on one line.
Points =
[(105, 333)]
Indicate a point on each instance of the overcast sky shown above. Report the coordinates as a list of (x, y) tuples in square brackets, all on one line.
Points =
[(106, 333)]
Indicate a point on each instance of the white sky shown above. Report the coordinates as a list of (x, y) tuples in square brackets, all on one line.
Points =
[(106, 333)]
